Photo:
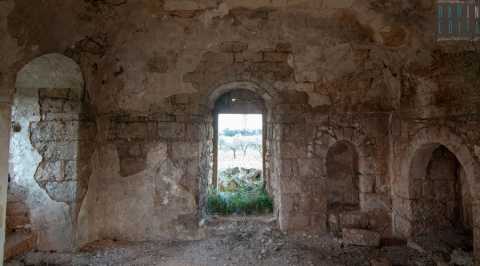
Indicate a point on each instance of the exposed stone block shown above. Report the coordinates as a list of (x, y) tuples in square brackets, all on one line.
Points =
[(194, 132), (373, 201), (318, 222), (17, 222), (297, 222), (18, 244), (247, 56), (185, 150), (275, 57), (366, 183), (63, 151), (292, 184), (73, 107), (290, 168), (54, 93), (171, 131), (233, 47), (310, 168), (50, 171), (63, 191), (354, 219), (175, 5), (132, 165), (284, 47), (50, 105), (131, 130), (380, 262), (360, 237), (293, 150)]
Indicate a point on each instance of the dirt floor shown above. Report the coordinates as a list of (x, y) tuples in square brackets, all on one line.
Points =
[(257, 241)]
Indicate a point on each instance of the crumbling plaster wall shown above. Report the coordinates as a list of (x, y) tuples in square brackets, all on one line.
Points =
[(304, 174), (24, 160), (156, 74), (50, 151), (439, 106), (368, 72)]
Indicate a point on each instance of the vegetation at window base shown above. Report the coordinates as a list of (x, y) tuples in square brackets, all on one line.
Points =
[(246, 199)]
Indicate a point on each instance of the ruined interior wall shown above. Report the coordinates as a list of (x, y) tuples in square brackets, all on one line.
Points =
[(146, 173), (342, 171), (147, 66), (438, 105), (363, 71), (458, 134), (209, 58), (49, 155), (304, 173)]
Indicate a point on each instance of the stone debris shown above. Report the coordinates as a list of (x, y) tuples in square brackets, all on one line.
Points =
[(411, 244), (360, 237), (461, 258), (380, 262)]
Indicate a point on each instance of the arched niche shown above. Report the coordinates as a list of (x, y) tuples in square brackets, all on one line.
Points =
[(50, 146), (414, 165), (342, 177), (439, 191), (51, 71)]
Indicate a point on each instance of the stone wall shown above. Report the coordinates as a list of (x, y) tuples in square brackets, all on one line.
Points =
[(18, 213), (365, 72), (413, 143), (342, 176), (146, 171), (440, 194), (50, 149), (304, 172)]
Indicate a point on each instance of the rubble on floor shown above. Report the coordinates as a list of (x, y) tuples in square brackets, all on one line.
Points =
[(254, 241)]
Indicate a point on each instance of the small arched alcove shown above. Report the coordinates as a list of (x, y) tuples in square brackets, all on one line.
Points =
[(435, 192), (440, 192), (342, 178), (49, 151)]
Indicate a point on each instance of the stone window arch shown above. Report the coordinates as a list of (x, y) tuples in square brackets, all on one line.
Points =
[(257, 100)]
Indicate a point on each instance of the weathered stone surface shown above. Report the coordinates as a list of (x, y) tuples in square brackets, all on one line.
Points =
[(380, 262), (360, 237), (19, 244), (354, 219), (460, 257), (48, 156), (141, 136), (188, 4)]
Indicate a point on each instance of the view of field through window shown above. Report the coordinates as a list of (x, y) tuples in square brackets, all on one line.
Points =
[(240, 183), (239, 143)]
